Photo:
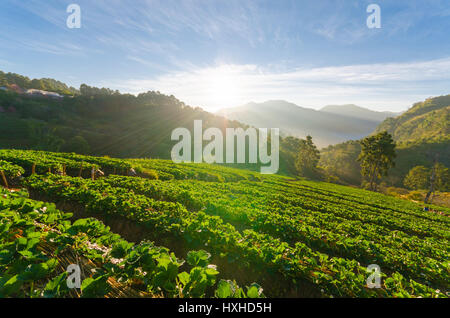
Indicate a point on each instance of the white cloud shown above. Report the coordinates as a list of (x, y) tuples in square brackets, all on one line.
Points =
[(385, 86), (4, 63)]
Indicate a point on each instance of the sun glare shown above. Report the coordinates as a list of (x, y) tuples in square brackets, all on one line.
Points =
[(223, 89)]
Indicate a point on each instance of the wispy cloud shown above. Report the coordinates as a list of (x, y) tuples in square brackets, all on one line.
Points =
[(4, 63), (252, 49), (383, 86), (147, 63)]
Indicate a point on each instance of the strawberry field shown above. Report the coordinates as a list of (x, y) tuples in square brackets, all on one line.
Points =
[(295, 238)]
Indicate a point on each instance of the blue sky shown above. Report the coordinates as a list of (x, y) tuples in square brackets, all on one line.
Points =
[(215, 54)]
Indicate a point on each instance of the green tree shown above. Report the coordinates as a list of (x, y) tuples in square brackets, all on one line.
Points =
[(442, 177), (307, 158), (439, 180), (44, 138), (417, 178), (3, 81), (289, 147), (78, 145), (38, 84), (377, 156)]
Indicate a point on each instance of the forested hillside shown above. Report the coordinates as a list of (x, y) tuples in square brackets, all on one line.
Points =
[(100, 121), (103, 124), (427, 121), (46, 84), (421, 133)]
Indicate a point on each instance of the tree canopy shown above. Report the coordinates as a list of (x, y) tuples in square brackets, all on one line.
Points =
[(417, 178), (307, 158), (377, 156)]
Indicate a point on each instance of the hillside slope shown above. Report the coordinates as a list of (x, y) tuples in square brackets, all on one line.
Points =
[(421, 133), (427, 121), (47, 84), (104, 122)]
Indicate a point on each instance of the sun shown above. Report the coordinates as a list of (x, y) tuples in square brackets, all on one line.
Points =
[(223, 88)]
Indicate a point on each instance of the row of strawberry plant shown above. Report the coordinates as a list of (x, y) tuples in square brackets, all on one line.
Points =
[(43, 162), (35, 236), (72, 164), (108, 165), (366, 200), (393, 220), (206, 172), (218, 199), (377, 248), (11, 170), (336, 276)]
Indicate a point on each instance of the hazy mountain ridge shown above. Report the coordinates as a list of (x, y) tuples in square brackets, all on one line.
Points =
[(327, 126), (356, 111)]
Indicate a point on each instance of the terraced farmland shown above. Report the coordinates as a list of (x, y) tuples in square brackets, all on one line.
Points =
[(295, 238)]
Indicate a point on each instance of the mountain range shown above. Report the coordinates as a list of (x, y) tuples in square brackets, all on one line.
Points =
[(328, 126), (100, 121)]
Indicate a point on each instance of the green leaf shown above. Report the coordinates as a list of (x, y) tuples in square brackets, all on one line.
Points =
[(6, 256), (34, 235), (211, 272), (21, 242), (11, 286), (57, 287), (224, 289), (254, 291), (35, 272), (198, 258), (121, 249), (97, 287), (184, 278)]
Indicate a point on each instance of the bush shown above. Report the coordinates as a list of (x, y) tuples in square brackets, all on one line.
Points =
[(332, 179), (417, 178), (400, 191), (415, 195), (78, 145), (149, 174)]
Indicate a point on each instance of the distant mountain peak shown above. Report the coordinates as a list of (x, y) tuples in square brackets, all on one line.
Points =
[(330, 125)]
